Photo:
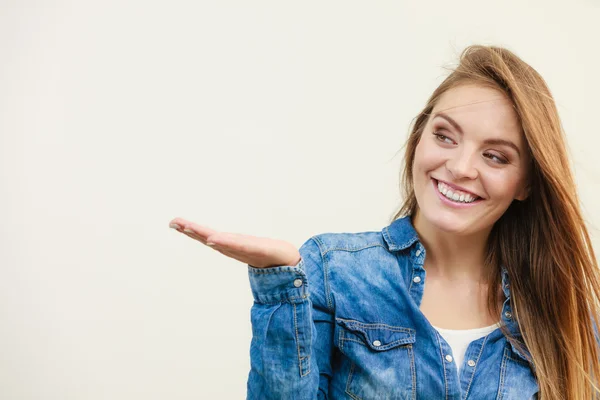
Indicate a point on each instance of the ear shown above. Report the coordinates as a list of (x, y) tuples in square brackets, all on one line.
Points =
[(523, 194)]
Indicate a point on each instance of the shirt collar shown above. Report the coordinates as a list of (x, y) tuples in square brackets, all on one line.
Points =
[(401, 234)]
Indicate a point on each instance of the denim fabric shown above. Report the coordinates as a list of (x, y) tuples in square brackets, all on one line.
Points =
[(344, 323)]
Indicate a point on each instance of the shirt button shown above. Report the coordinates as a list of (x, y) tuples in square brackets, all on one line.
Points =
[(417, 279), (448, 358), (298, 282), (376, 343), (418, 253), (507, 314), (471, 363)]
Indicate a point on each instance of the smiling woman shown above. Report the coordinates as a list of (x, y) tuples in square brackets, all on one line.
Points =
[(471, 146), (492, 130), (484, 285)]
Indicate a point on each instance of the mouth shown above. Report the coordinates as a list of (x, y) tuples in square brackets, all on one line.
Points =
[(452, 202)]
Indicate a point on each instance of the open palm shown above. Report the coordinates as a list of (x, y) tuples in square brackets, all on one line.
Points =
[(255, 251)]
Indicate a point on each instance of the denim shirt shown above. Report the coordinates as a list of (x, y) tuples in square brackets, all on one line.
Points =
[(345, 323)]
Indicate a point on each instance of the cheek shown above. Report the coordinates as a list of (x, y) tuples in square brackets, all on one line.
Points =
[(427, 156), (502, 184), (419, 166)]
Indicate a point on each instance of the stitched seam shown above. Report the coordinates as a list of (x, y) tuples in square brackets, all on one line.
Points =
[(400, 246), (297, 340), (379, 348), (406, 244), (348, 383), (386, 236), (502, 372), (377, 325), (476, 365), (443, 363), (302, 361), (354, 249), (413, 371), (284, 300), (271, 271), (393, 344), (326, 283)]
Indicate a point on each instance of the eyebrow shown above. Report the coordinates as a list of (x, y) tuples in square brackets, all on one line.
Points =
[(497, 141)]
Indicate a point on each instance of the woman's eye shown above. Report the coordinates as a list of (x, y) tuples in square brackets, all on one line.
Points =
[(495, 158), (442, 138)]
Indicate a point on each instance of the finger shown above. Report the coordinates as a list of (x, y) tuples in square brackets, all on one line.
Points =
[(194, 236), (239, 243), (242, 255), (200, 233), (199, 230), (176, 224), (216, 247), (182, 222), (236, 256)]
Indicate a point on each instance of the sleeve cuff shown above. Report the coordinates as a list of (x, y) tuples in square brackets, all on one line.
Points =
[(278, 284)]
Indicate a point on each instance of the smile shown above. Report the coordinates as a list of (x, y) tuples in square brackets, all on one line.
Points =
[(456, 196)]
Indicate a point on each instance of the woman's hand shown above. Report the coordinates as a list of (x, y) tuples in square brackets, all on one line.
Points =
[(256, 251)]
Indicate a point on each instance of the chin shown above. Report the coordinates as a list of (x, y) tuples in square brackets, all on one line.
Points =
[(448, 222), (451, 226)]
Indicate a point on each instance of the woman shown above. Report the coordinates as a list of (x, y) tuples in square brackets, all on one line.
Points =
[(485, 284)]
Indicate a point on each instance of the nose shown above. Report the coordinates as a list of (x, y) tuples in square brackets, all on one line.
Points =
[(462, 164)]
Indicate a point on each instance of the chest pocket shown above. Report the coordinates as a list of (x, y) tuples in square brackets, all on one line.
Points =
[(380, 359)]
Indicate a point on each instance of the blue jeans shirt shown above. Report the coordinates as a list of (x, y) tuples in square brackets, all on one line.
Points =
[(345, 323)]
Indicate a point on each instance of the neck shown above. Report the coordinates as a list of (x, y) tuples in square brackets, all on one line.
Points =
[(452, 256)]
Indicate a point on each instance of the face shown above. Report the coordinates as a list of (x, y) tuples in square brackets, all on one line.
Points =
[(473, 151)]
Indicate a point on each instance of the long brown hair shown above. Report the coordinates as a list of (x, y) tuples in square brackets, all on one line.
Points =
[(542, 241)]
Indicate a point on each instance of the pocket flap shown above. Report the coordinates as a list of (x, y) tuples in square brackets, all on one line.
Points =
[(379, 336)]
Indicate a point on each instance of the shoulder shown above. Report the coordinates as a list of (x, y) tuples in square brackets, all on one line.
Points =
[(397, 236), (324, 251), (339, 262), (350, 252), (348, 241)]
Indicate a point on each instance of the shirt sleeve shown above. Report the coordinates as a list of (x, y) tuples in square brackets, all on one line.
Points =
[(292, 329)]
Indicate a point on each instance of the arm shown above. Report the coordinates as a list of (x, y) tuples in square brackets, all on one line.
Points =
[(292, 330)]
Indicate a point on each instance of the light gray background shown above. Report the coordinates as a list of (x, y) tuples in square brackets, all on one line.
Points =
[(273, 118)]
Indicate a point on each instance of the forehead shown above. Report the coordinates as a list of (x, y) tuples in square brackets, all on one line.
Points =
[(480, 110)]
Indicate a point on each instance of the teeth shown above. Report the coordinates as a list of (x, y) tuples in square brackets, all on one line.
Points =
[(455, 195)]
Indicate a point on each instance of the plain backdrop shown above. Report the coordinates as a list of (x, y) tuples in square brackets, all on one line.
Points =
[(273, 118)]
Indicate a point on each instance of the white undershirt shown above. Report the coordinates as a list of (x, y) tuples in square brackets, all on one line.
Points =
[(459, 340)]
